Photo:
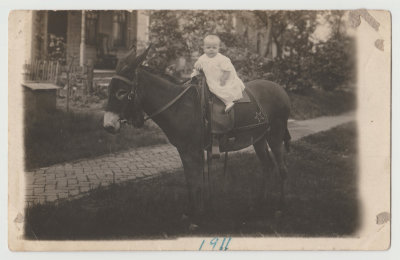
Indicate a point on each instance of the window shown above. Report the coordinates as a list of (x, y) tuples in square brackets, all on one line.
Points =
[(91, 27), (119, 28)]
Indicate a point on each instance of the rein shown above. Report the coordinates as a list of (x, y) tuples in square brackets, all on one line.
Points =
[(132, 93), (187, 85)]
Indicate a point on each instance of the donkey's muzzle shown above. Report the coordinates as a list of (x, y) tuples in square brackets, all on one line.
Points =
[(111, 122)]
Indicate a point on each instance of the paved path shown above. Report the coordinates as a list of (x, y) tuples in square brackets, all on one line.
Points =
[(71, 179)]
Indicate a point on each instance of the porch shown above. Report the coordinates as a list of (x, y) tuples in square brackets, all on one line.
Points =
[(98, 38)]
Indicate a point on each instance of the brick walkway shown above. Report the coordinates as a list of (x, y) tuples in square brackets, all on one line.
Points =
[(71, 179)]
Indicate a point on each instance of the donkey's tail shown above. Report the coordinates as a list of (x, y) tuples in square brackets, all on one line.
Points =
[(286, 140)]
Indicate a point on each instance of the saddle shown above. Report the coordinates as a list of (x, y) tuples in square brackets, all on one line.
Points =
[(243, 125)]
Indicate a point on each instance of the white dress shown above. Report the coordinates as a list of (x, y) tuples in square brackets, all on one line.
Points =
[(213, 69)]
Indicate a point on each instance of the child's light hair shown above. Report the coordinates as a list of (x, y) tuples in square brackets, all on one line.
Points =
[(212, 39)]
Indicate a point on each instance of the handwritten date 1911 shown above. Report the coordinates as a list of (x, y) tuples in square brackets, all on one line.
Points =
[(213, 244)]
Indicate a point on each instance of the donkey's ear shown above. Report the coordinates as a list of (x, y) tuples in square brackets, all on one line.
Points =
[(124, 63), (139, 60)]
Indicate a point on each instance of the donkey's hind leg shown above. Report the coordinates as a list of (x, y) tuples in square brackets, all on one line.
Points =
[(276, 142), (267, 163), (262, 153)]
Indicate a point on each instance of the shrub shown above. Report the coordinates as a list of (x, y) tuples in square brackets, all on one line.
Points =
[(292, 72), (334, 63), (300, 61)]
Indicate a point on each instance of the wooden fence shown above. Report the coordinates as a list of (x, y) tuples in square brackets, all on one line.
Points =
[(42, 70), (53, 71)]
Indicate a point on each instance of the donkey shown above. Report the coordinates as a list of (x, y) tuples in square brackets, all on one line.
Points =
[(174, 107)]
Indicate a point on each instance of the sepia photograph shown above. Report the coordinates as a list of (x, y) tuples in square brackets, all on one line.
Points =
[(199, 129)]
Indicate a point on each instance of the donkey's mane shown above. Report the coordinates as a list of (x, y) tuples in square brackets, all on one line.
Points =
[(163, 75)]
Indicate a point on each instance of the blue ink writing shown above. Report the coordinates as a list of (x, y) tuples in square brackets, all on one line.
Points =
[(202, 243), (214, 242)]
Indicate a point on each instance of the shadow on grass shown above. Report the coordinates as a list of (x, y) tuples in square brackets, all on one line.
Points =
[(321, 200)]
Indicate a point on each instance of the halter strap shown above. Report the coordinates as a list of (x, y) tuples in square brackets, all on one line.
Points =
[(132, 83)]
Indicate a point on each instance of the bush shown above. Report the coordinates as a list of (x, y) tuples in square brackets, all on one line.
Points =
[(300, 62), (292, 72), (334, 63)]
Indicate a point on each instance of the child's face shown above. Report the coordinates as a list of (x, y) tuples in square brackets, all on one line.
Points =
[(211, 48)]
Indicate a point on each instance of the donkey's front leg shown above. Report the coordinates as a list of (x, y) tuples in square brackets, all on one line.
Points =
[(193, 165)]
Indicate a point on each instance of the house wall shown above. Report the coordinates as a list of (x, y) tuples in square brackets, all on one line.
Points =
[(38, 37), (104, 26), (137, 34)]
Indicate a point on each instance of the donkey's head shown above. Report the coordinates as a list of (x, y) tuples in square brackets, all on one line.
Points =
[(125, 94)]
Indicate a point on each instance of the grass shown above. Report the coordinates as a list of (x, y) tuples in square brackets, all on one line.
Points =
[(65, 136), (316, 103), (321, 200)]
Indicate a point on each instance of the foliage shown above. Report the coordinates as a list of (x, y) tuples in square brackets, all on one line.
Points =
[(180, 33), (299, 61), (334, 63), (56, 49), (291, 31)]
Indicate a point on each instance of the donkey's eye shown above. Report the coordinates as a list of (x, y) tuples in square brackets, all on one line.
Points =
[(121, 94)]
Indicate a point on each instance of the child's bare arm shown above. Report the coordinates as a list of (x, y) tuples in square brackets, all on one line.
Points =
[(224, 77), (196, 69)]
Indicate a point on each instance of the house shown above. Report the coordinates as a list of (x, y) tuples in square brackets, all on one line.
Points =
[(98, 37)]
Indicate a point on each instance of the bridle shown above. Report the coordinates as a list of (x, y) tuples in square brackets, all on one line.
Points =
[(133, 84), (133, 93)]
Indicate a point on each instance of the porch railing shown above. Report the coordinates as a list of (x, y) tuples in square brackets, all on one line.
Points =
[(42, 70), (74, 80)]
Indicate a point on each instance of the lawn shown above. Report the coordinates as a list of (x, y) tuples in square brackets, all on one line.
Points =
[(317, 102), (65, 136), (321, 200)]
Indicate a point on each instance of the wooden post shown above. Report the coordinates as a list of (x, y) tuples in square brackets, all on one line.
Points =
[(83, 39), (46, 34), (57, 71), (142, 33), (90, 72), (68, 85)]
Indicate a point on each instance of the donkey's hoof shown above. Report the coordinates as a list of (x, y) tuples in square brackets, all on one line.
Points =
[(193, 227)]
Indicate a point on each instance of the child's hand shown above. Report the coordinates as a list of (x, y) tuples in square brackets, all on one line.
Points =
[(197, 66)]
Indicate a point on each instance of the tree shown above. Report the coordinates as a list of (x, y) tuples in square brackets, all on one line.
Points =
[(180, 33), (301, 57), (334, 59), (290, 30)]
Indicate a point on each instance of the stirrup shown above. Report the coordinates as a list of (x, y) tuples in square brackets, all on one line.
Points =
[(215, 154)]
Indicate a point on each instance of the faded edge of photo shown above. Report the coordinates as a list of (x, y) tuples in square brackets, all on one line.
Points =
[(373, 120)]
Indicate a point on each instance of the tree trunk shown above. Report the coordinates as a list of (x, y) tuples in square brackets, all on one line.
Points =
[(268, 39)]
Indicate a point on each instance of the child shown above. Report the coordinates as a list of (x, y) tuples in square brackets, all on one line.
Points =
[(220, 74)]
